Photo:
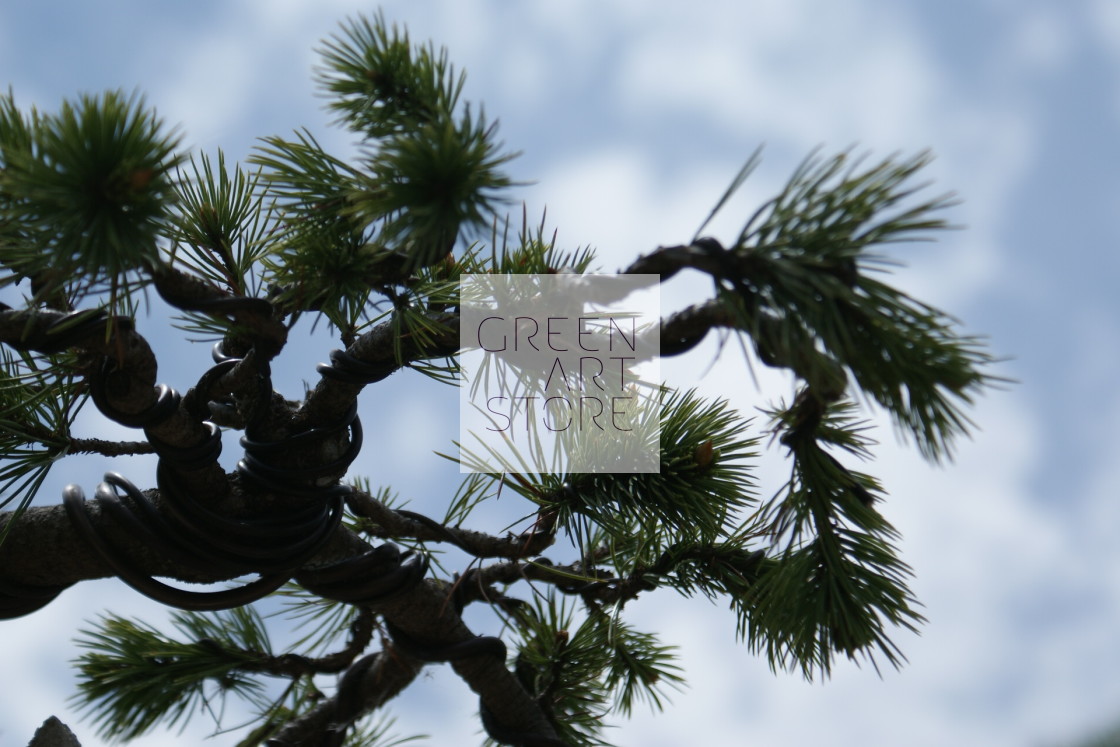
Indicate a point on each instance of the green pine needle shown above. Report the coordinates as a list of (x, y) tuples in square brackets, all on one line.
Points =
[(380, 84), (38, 404), (221, 224), (804, 293), (838, 585), (133, 678), (91, 186), (575, 672), (704, 482)]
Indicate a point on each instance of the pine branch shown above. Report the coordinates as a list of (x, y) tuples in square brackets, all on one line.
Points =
[(368, 684), (574, 670), (38, 403), (133, 677), (260, 659), (109, 448), (29, 554), (425, 616), (797, 282), (839, 576), (388, 523), (252, 318), (375, 355), (51, 331)]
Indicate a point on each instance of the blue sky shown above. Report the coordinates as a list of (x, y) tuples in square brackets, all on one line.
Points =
[(631, 121)]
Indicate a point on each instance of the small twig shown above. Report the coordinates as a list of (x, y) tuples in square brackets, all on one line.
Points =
[(109, 448), (388, 523), (295, 665), (369, 683)]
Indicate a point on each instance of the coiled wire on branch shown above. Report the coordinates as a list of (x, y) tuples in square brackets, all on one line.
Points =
[(18, 599), (276, 546), (188, 533)]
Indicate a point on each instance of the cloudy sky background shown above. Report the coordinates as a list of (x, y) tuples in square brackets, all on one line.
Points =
[(632, 120)]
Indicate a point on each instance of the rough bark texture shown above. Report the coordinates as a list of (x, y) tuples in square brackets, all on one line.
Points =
[(54, 733), (44, 549)]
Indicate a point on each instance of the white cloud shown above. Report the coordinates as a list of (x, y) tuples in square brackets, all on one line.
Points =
[(1007, 581), (218, 71), (610, 200), (1043, 38), (1104, 20), (792, 73)]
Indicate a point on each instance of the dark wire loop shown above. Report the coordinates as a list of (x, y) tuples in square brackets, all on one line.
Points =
[(144, 521), (192, 535), (197, 399), (374, 561), (196, 537), (275, 546), (73, 328), (346, 368), (273, 555), (191, 457), (278, 541), (227, 306), (74, 501), (167, 401), (286, 478), (483, 645), (219, 356), (349, 704), (311, 434), (367, 578)]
